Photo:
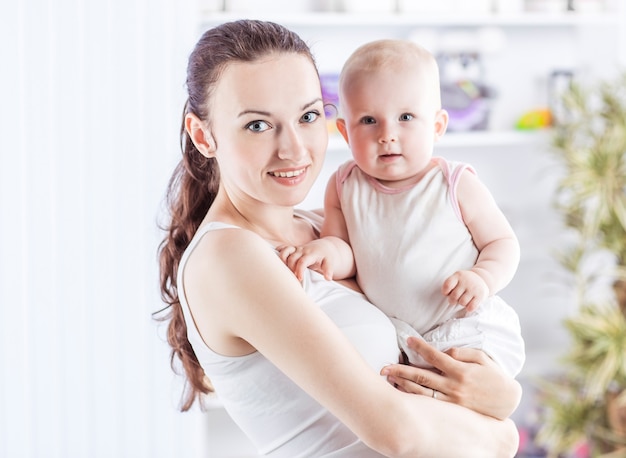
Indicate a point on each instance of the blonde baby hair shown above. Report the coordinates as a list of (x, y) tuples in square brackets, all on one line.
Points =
[(391, 54)]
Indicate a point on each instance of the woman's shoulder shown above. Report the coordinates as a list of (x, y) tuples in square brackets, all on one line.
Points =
[(222, 243), (225, 264)]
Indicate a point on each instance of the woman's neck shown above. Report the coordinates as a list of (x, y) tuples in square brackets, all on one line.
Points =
[(276, 224)]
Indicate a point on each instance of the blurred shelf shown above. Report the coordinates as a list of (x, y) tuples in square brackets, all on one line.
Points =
[(475, 139), (493, 138), (336, 19)]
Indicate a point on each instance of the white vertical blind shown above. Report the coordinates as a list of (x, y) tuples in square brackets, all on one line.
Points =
[(90, 98)]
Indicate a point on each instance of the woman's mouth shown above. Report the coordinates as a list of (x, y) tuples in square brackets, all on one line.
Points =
[(288, 173)]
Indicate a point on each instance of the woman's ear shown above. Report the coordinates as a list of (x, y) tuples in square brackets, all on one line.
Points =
[(200, 136), (441, 123), (341, 127)]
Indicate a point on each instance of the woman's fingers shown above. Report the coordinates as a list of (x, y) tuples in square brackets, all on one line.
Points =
[(439, 360), (469, 377), (470, 355), (463, 376), (415, 380)]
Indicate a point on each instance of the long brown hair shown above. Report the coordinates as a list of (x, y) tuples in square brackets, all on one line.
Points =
[(194, 183)]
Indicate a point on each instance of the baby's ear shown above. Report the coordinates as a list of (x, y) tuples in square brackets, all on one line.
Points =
[(200, 135), (341, 127), (441, 123)]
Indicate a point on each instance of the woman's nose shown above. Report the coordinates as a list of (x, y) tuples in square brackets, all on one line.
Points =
[(291, 145)]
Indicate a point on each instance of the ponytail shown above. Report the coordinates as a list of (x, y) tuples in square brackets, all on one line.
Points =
[(195, 181)]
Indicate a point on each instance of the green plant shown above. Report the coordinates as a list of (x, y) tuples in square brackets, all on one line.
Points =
[(588, 402)]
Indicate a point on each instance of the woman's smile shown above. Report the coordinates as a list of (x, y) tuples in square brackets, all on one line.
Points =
[(288, 173), (289, 177)]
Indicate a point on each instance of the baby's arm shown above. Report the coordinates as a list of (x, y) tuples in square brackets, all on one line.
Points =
[(323, 255), (499, 250), (331, 254)]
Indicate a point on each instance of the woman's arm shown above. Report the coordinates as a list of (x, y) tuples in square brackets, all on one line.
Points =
[(468, 377), (255, 300)]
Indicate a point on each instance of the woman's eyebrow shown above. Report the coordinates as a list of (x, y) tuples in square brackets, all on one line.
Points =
[(307, 105), (258, 112), (267, 113)]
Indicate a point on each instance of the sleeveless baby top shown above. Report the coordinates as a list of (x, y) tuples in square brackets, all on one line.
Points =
[(280, 418), (407, 241)]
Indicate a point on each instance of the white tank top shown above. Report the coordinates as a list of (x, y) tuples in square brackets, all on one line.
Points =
[(407, 241), (281, 419)]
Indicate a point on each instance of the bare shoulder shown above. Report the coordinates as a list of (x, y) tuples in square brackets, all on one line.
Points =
[(221, 251), (468, 175), (226, 281), (471, 186)]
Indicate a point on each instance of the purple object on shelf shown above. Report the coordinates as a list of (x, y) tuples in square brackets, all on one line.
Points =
[(330, 93)]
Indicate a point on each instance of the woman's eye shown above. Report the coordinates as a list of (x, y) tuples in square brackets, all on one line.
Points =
[(310, 116), (406, 117), (368, 120), (257, 126)]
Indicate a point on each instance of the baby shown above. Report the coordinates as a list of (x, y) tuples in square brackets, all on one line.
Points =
[(424, 236)]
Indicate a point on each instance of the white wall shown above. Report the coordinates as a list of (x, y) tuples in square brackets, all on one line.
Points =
[(90, 98)]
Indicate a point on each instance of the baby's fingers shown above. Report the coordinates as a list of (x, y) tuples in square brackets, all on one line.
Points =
[(326, 270), (284, 251), (300, 267), (310, 261), (449, 284)]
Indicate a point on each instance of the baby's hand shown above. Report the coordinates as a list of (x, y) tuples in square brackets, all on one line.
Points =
[(465, 288), (310, 256)]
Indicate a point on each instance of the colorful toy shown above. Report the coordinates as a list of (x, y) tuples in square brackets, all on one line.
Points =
[(535, 119)]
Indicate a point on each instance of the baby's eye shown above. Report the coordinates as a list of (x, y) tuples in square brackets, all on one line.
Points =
[(406, 117), (368, 120), (257, 126), (310, 116)]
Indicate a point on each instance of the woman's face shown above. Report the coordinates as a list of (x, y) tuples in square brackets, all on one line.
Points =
[(267, 120)]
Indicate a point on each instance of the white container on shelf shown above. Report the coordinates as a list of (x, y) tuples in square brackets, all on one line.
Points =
[(425, 6), (589, 6), (367, 6), (509, 6), (546, 6), (445, 6), (211, 6), (273, 7)]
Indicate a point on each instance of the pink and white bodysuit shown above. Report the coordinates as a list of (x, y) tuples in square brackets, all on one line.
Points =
[(406, 242)]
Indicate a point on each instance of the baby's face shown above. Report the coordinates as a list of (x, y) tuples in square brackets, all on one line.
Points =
[(392, 118)]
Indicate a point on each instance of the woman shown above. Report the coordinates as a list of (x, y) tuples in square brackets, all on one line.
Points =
[(295, 364)]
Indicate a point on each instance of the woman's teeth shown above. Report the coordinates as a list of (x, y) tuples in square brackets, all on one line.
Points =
[(290, 174)]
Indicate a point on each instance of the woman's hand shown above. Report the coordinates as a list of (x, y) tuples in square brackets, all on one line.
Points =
[(466, 376)]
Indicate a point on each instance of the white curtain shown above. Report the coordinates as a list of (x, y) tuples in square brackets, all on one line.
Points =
[(90, 99)]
